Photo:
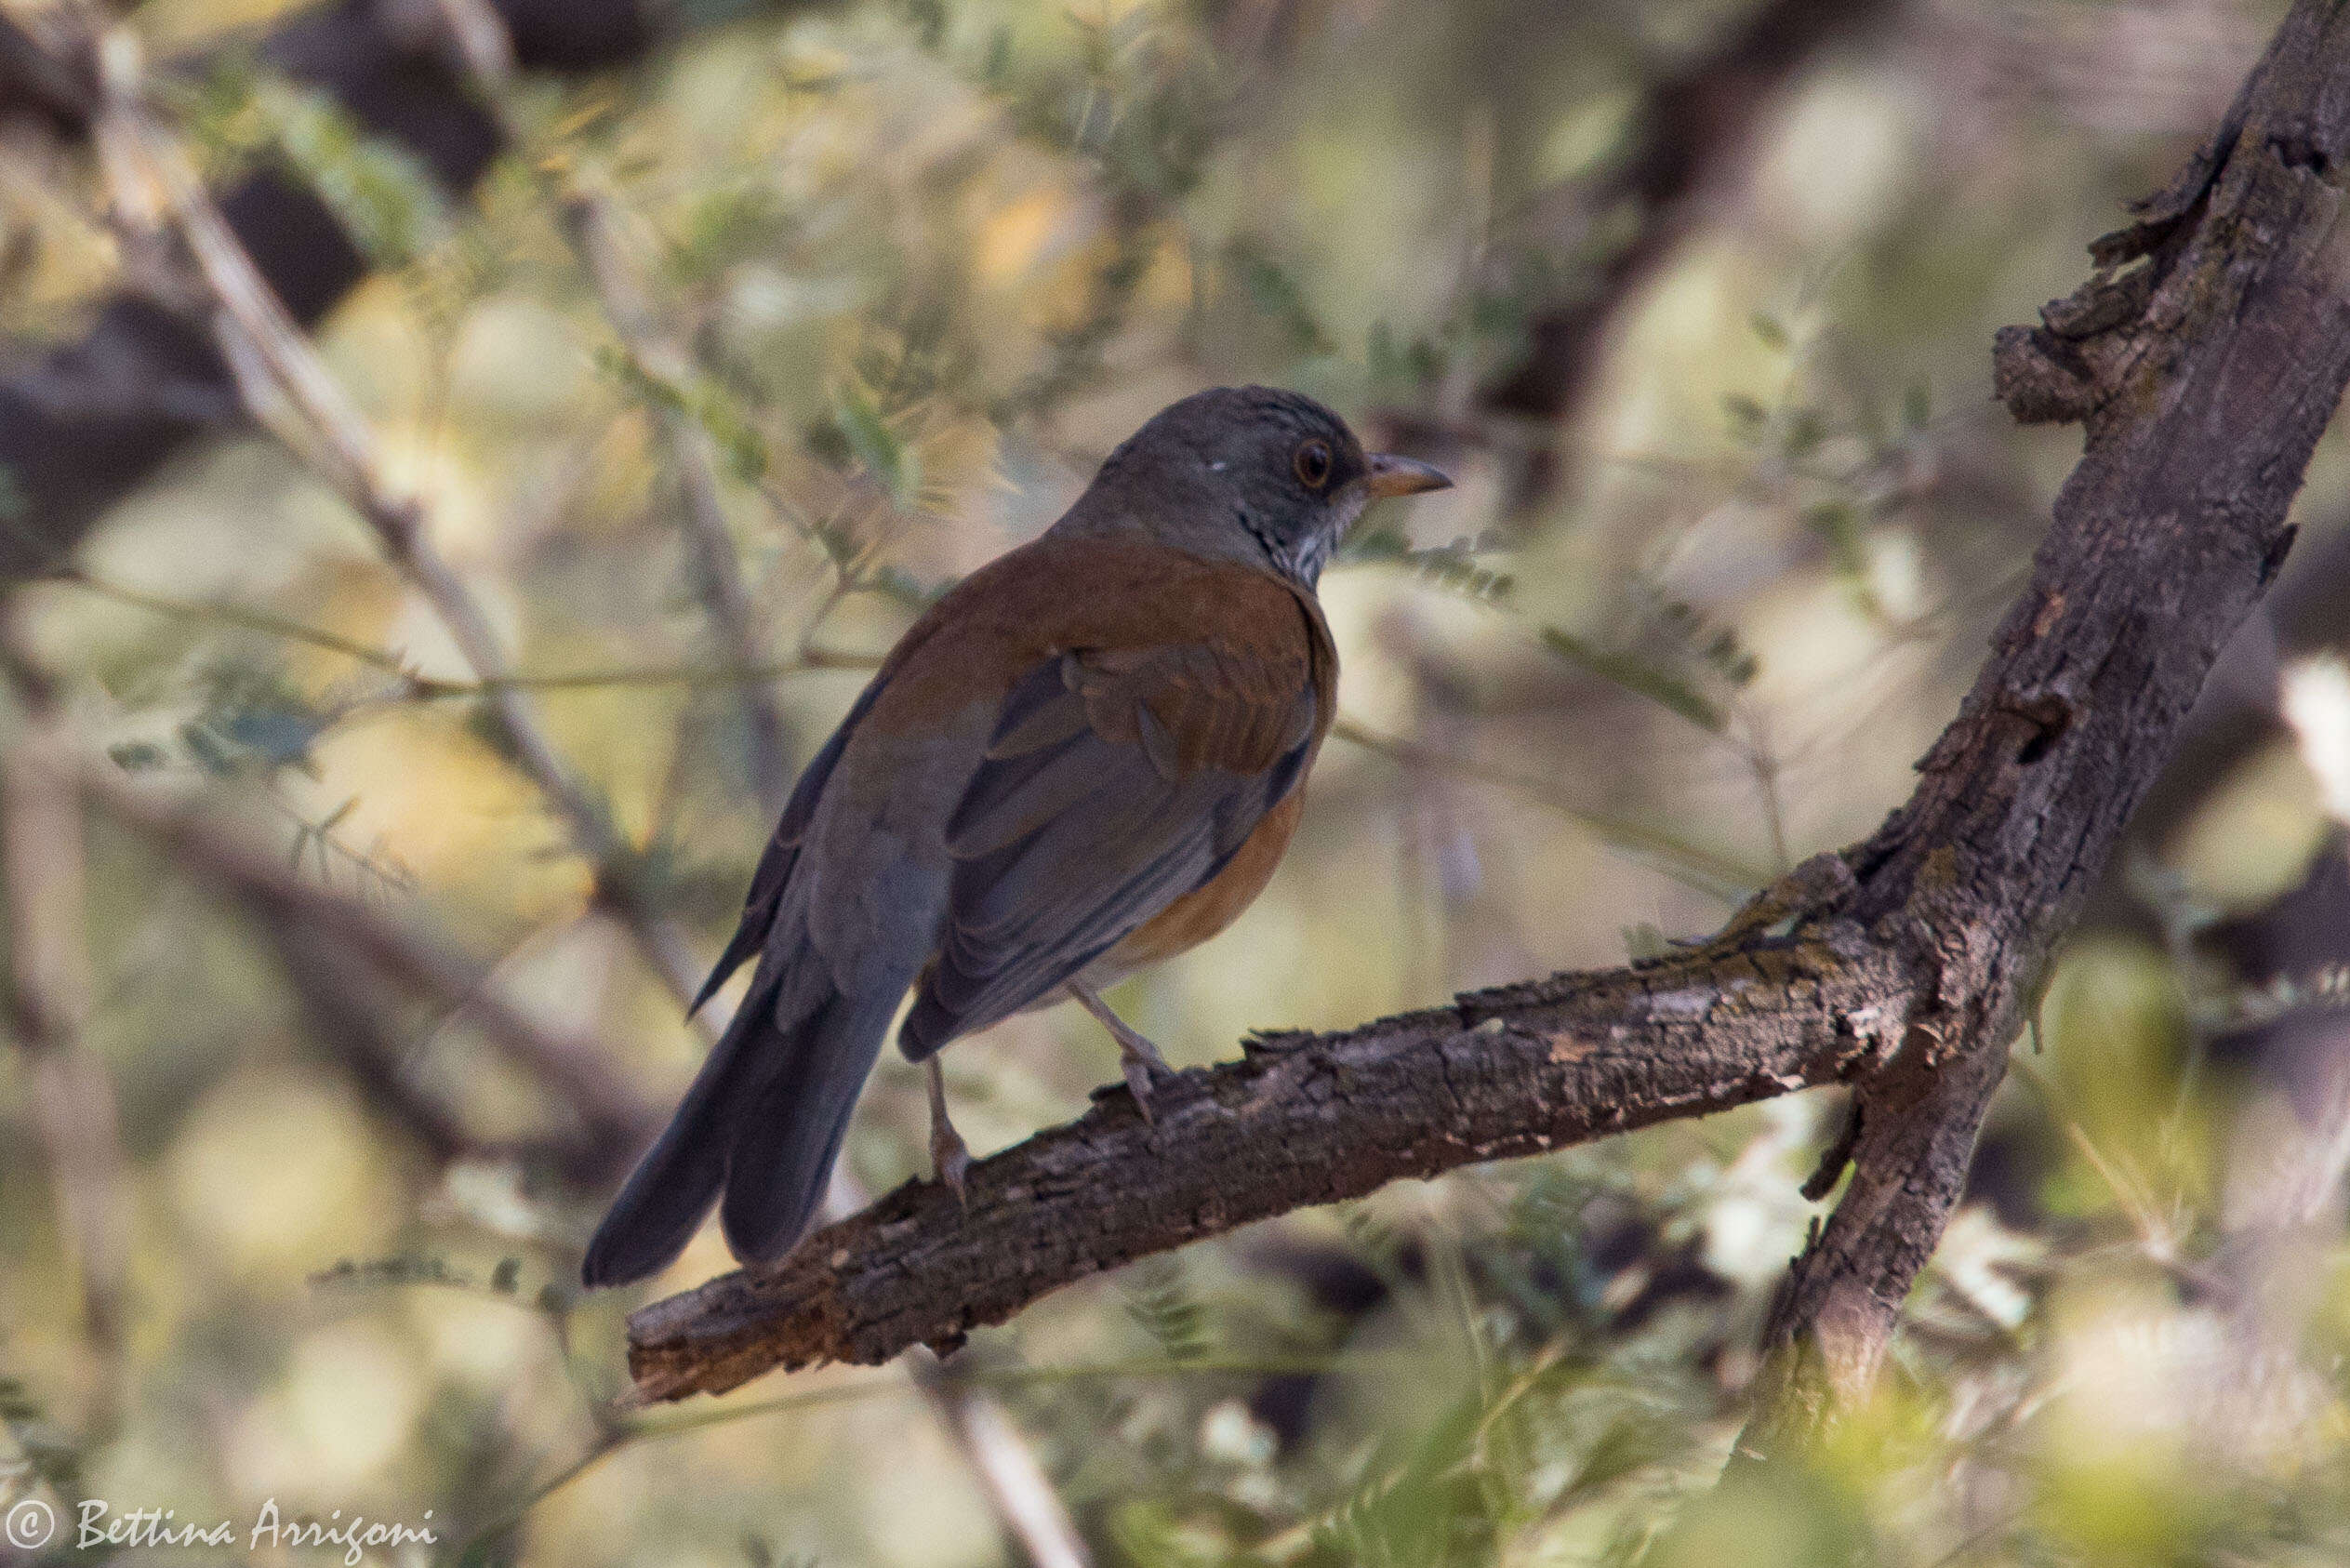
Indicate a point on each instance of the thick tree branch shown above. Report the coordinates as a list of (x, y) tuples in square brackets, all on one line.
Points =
[(2206, 359)]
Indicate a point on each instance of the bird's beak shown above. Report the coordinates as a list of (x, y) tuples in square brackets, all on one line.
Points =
[(1392, 475)]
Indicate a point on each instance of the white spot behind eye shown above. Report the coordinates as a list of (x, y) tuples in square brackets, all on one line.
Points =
[(1216, 467)]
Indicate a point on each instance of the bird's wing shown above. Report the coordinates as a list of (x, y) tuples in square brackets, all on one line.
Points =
[(1117, 781), (783, 850)]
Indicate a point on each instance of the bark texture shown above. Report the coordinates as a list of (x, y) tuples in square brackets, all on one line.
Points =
[(2205, 359)]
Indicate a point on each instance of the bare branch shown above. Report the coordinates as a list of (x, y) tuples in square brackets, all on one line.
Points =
[(1299, 1119), (1686, 863), (285, 387), (82, 426), (1693, 130), (1007, 1472), (1901, 966), (49, 990), (616, 1121), (1002, 1462), (407, 682), (710, 543)]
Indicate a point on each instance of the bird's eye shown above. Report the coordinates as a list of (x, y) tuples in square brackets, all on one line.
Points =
[(1313, 464)]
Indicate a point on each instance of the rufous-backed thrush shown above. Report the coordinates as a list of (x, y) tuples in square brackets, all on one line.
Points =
[(1088, 756)]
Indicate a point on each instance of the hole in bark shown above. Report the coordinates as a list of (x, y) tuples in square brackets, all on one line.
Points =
[(2051, 718), (2298, 148)]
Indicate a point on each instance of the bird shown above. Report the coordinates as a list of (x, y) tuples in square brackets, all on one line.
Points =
[(1088, 756)]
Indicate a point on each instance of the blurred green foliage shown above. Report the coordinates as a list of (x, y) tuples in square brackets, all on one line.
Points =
[(925, 262)]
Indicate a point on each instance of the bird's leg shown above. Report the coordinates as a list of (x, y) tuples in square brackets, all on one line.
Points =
[(950, 1156), (1137, 1056)]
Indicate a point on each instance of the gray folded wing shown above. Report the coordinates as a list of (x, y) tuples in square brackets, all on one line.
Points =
[(1114, 785)]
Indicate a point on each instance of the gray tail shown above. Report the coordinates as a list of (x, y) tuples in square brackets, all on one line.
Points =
[(764, 1123)]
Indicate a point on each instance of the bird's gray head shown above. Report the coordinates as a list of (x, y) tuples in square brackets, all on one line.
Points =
[(1269, 478)]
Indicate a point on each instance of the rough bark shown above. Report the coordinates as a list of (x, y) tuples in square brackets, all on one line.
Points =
[(2205, 359)]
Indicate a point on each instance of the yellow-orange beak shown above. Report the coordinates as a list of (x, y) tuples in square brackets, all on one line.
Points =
[(1392, 475)]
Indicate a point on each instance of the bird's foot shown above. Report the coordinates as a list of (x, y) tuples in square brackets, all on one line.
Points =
[(1137, 1058), (951, 1159), (950, 1156), (1142, 1070)]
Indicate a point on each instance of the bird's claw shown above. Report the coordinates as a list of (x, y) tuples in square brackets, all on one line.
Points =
[(1137, 1058), (1144, 1067), (950, 1156), (1141, 1076), (952, 1161)]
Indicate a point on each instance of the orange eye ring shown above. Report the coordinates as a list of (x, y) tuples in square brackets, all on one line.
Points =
[(1313, 464)]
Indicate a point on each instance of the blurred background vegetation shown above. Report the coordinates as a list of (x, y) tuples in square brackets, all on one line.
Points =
[(345, 981)]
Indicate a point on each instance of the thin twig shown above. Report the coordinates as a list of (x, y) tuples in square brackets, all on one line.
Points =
[(809, 660), (616, 1117), (710, 543), (289, 391), (348, 1015), (2157, 1240), (1710, 873), (1767, 766), (1008, 1474), (1006, 1468)]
